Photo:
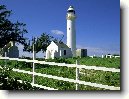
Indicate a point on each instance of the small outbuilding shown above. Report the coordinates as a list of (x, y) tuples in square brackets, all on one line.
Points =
[(57, 50), (10, 49), (81, 52)]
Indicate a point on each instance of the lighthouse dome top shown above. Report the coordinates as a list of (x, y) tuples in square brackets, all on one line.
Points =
[(71, 9)]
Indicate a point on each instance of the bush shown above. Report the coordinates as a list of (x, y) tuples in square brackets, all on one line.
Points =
[(8, 83)]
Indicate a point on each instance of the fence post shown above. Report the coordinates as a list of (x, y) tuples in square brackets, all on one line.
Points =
[(5, 55), (34, 57), (77, 75)]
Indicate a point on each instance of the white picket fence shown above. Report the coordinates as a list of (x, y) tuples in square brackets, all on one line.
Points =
[(76, 81)]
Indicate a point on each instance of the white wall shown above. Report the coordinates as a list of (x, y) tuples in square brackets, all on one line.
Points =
[(71, 33), (52, 51), (68, 52), (52, 46)]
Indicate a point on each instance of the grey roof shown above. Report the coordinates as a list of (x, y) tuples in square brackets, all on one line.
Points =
[(62, 45)]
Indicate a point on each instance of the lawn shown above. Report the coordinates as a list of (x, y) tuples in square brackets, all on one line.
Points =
[(100, 77)]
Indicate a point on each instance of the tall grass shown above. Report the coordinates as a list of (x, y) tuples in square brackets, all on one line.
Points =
[(101, 77)]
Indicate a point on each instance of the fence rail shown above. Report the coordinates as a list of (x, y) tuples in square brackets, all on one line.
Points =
[(77, 81), (64, 64)]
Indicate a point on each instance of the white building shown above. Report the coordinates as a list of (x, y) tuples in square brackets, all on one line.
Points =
[(60, 49), (81, 52), (56, 50), (71, 31)]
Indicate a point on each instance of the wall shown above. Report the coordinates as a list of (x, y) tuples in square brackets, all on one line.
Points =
[(68, 52), (52, 50), (13, 52), (81, 52)]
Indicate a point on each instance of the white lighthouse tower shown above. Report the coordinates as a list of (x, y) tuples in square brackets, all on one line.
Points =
[(71, 32)]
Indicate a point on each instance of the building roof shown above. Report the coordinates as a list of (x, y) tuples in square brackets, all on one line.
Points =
[(71, 8), (62, 45), (10, 44)]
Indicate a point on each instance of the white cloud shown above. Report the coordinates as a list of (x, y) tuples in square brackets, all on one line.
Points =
[(58, 32)]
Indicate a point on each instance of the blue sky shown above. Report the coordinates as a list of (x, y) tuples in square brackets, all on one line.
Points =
[(97, 23)]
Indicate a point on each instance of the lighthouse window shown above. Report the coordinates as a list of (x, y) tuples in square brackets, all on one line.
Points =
[(71, 11), (69, 28), (64, 52)]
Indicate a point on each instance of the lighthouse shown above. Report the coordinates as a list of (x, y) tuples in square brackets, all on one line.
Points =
[(71, 30), (59, 49)]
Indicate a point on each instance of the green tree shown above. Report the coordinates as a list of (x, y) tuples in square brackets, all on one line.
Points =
[(10, 31), (41, 43)]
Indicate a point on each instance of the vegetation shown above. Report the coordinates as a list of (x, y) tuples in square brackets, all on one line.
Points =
[(88, 61), (41, 43), (10, 31), (97, 61), (8, 82), (14, 31), (100, 77)]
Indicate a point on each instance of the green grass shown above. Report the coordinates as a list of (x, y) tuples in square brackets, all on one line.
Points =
[(100, 77), (61, 85), (105, 62)]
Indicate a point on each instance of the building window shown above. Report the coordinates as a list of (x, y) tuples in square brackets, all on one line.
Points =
[(64, 52)]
